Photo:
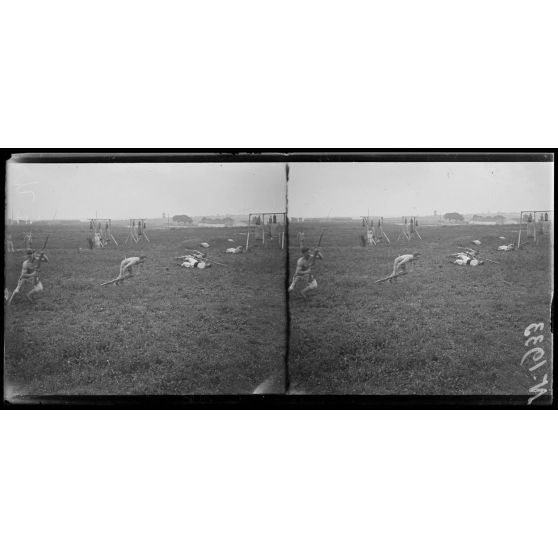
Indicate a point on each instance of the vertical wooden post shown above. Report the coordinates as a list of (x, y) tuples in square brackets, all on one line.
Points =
[(248, 235), (535, 227)]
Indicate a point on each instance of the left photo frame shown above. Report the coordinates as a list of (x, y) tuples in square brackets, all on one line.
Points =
[(144, 279)]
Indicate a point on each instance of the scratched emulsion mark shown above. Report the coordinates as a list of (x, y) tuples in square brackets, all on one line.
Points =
[(20, 191), (535, 354)]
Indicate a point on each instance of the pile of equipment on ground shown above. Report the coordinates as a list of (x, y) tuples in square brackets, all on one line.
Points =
[(467, 256), (194, 259)]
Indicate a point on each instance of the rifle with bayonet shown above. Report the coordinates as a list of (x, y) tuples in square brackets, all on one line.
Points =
[(42, 257), (316, 251)]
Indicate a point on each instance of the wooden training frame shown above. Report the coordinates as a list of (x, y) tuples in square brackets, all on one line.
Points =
[(102, 227), (370, 238), (136, 230), (532, 223), (410, 228), (374, 234), (257, 222)]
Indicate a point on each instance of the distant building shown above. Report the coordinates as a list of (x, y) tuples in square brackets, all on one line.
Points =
[(487, 220), (216, 222), (332, 219)]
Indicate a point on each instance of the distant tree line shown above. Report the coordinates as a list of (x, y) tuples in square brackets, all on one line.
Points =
[(453, 217), (184, 219)]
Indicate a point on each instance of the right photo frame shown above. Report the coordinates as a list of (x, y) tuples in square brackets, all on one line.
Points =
[(422, 276)]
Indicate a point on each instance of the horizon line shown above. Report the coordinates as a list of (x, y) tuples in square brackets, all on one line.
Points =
[(324, 217)]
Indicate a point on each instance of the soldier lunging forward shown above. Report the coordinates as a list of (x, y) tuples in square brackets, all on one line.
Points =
[(399, 264), (127, 265)]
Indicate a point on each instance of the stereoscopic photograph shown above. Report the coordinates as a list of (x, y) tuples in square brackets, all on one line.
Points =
[(391, 276)]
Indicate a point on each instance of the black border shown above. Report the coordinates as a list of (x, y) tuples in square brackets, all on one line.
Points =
[(278, 155), (95, 155)]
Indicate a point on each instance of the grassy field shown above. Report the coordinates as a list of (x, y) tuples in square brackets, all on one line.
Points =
[(168, 330), (441, 329)]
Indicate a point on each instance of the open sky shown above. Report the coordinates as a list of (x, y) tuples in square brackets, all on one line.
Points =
[(395, 189), (141, 190), (134, 190)]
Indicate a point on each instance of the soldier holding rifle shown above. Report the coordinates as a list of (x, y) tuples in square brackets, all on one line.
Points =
[(30, 275), (304, 272)]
